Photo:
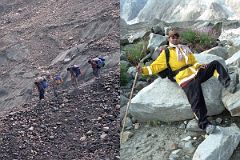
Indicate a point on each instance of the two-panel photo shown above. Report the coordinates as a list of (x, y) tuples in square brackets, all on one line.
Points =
[(119, 80)]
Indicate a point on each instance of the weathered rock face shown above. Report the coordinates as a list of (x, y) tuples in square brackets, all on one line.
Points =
[(164, 100), (231, 102), (155, 41), (219, 145), (218, 51), (176, 10), (131, 8), (234, 60)]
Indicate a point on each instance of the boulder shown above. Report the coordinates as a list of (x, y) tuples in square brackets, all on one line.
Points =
[(123, 100), (218, 51), (234, 59), (155, 40), (193, 126), (131, 71), (219, 145), (231, 102)]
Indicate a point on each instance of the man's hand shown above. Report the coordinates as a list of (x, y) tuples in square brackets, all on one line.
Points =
[(203, 66), (139, 68)]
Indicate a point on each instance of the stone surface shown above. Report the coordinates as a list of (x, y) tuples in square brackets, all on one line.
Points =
[(218, 51), (155, 40), (231, 102), (219, 145)]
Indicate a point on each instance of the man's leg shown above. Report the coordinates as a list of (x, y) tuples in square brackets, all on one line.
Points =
[(41, 94), (229, 83), (195, 97), (55, 90), (205, 74)]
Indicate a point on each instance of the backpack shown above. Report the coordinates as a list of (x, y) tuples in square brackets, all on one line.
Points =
[(168, 72), (100, 62), (76, 70), (44, 84), (58, 79)]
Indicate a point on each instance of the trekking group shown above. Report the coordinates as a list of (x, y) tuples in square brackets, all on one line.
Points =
[(42, 82)]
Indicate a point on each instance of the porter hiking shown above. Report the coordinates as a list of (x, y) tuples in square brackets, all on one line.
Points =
[(41, 84), (75, 73), (189, 76), (56, 83), (97, 64)]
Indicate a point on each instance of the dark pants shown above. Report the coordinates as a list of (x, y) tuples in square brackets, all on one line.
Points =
[(41, 93), (194, 92), (96, 71)]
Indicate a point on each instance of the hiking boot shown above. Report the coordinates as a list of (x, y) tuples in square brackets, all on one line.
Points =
[(233, 83), (210, 129)]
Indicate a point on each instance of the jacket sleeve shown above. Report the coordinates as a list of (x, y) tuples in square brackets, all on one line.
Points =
[(157, 66), (193, 61)]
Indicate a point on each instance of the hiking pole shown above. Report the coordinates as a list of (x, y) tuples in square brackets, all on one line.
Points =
[(130, 98)]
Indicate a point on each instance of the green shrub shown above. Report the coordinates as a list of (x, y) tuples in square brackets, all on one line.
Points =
[(189, 36), (205, 40), (154, 123), (135, 52), (200, 41), (123, 75)]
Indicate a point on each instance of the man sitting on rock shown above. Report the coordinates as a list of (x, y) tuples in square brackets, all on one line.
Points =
[(189, 76)]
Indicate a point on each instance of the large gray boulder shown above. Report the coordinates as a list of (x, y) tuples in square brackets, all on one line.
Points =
[(155, 40), (218, 51), (234, 59), (231, 102), (165, 101), (236, 41), (219, 145)]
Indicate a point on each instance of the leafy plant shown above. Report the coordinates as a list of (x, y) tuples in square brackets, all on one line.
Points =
[(135, 52), (200, 41), (154, 123)]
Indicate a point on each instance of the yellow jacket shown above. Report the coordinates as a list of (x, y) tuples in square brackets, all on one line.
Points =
[(183, 76)]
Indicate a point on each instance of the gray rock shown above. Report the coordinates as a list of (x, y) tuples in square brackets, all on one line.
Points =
[(122, 112), (126, 135), (231, 102), (234, 59), (128, 123), (236, 41), (131, 71), (218, 51), (158, 29), (193, 126), (140, 85), (155, 40), (153, 102), (219, 120), (188, 147), (123, 100), (216, 145)]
